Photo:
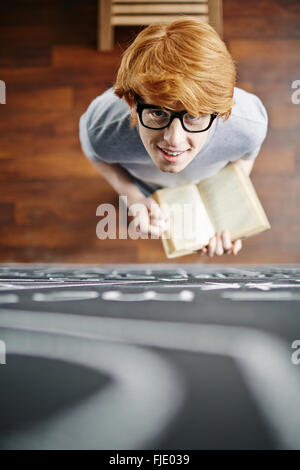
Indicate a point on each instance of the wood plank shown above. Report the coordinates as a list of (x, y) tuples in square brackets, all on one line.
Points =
[(25, 78), (90, 190), (272, 159), (60, 235), (105, 30), (285, 117), (156, 1), (80, 57), (48, 99), (86, 254), (7, 212), (47, 166), (270, 51), (157, 9), (215, 13), (148, 19)]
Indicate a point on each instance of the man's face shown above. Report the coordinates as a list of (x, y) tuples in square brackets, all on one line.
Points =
[(171, 139)]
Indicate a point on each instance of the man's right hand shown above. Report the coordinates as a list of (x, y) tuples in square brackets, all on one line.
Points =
[(148, 217)]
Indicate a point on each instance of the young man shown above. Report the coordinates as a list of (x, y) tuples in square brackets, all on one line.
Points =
[(173, 117)]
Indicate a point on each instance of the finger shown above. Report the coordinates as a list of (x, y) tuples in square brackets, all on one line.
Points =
[(155, 211), (227, 245), (219, 245), (146, 230), (156, 229), (141, 219), (203, 251), (212, 246), (155, 232), (141, 224), (160, 223), (237, 246)]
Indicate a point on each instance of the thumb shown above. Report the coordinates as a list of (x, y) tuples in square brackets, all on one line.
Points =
[(155, 211)]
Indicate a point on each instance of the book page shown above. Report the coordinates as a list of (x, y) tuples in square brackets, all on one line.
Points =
[(232, 203), (190, 227)]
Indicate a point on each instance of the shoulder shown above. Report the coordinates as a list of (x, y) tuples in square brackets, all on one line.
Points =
[(106, 126), (243, 133), (249, 117), (105, 110)]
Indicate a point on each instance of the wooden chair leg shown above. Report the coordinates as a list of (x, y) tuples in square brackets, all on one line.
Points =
[(105, 28), (215, 13)]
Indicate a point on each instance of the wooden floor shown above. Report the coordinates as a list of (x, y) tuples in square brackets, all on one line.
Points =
[(49, 191)]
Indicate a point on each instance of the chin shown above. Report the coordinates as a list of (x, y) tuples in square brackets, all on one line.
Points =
[(173, 170)]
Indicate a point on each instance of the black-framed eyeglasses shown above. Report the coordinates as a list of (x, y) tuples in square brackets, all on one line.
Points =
[(155, 117)]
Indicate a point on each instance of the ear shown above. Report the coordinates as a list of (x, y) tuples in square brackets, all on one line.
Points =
[(134, 116), (133, 112), (131, 103)]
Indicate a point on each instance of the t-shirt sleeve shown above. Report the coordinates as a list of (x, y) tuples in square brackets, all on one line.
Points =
[(258, 130), (85, 142), (253, 154)]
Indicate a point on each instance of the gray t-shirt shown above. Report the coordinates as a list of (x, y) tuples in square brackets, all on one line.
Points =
[(106, 136)]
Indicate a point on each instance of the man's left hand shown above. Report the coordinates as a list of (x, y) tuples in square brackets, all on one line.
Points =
[(221, 244)]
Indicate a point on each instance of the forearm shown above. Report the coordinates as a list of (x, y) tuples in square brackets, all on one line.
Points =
[(120, 180), (150, 221)]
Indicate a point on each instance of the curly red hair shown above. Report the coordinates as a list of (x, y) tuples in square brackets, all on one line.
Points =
[(183, 61)]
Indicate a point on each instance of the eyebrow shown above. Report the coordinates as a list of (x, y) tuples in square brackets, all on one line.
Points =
[(164, 108), (140, 100)]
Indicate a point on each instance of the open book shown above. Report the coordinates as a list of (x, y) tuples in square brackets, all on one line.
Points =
[(225, 201)]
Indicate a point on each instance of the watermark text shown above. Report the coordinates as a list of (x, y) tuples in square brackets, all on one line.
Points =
[(296, 94), (176, 221), (296, 354), (2, 352), (2, 92)]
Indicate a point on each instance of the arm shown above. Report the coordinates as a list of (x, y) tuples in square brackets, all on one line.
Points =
[(124, 185), (120, 180)]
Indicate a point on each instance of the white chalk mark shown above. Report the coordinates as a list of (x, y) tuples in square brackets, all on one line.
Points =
[(129, 276), (62, 285), (183, 296), (187, 296), (9, 299), (10, 286), (202, 276), (65, 295), (269, 285), (246, 272), (138, 404), (261, 296), (219, 285), (111, 295)]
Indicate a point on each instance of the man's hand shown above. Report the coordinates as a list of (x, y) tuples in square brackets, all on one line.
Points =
[(148, 217), (221, 244)]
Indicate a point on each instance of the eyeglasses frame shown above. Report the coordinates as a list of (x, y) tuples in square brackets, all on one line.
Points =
[(141, 106)]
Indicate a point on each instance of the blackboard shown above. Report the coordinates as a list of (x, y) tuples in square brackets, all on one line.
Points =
[(149, 356)]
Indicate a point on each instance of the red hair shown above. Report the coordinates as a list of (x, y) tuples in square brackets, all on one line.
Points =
[(184, 61)]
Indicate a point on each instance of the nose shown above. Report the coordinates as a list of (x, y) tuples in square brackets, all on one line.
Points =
[(174, 134)]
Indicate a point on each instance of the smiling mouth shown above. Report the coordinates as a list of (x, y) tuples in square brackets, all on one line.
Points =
[(171, 155)]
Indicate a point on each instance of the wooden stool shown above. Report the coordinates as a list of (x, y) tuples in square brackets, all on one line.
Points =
[(113, 13)]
